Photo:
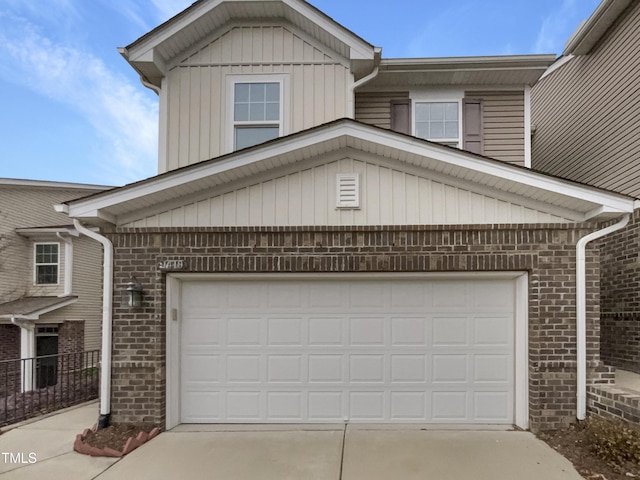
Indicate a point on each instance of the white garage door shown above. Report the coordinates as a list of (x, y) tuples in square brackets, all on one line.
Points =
[(374, 351)]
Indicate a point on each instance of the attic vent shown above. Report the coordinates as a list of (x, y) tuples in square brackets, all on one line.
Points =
[(348, 190)]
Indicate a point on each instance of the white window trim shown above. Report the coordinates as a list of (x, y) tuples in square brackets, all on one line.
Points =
[(232, 80), (439, 96), (35, 264)]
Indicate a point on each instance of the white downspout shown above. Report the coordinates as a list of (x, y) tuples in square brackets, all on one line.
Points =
[(351, 106), (581, 311), (68, 264), (107, 307)]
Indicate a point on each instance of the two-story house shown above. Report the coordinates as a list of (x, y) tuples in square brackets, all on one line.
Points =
[(338, 236), (50, 280), (585, 110)]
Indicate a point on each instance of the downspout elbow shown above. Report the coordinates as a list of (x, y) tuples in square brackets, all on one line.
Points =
[(107, 308), (377, 56), (581, 311)]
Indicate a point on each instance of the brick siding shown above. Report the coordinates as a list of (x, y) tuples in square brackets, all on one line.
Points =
[(620, 283), (71, 337), (610, 402), (9, 342), (547, 252)]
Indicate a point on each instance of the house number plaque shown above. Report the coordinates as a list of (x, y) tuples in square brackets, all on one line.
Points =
[(172, 265)]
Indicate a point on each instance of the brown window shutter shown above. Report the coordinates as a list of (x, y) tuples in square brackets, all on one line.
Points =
[(401, 116), (472, 125)]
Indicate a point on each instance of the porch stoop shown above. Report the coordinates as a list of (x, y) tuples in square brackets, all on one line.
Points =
[(621, 400)]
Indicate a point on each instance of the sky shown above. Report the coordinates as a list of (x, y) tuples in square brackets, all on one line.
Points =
[(73, 110)]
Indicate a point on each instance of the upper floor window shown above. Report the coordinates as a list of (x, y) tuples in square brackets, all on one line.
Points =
[(257, 109), (438, 122), (256, 113), (46, 263)]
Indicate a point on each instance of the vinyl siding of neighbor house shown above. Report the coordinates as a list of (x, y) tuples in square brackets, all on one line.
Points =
[(197, 121), (374, 108), (503, 124), (25, 207), (87, 285), (586, 112), (502, 119), (308, 197)]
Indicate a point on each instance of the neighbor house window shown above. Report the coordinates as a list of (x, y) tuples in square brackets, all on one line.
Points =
[(438, 122), (256, 113), (46, 263)]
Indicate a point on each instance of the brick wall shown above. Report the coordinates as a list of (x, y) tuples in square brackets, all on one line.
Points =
[(71, 337), (9, 350), (547, 252), (610, 402), (620, 279), (9, 342)]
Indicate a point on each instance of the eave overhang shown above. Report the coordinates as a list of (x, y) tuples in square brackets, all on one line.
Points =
[(591, 31), (31, 308), (150, 54), (579, 202), (506, 70)]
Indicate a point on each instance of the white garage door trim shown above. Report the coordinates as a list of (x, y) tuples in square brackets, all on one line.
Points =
[(174, 282)]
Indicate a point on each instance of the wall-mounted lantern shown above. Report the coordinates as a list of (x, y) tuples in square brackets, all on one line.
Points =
[(132, 294)]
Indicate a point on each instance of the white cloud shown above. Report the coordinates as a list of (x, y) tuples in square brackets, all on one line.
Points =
[(169, 8), (123, 116), (556, 28)]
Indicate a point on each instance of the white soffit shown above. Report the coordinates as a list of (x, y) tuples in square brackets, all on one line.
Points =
[(588, 202), (151, 52)]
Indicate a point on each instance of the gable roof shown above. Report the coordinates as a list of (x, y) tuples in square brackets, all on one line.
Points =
[(584, 201), (593, 29), (150, 53)]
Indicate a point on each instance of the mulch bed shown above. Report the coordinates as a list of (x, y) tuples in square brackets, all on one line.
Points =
[(575, 444), (115, 436)]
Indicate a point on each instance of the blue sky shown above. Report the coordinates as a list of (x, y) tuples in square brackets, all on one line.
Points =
[(71, 108)]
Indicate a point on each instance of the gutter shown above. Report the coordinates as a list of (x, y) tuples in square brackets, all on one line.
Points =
[(351, 107), (107, 308), (581, 311)]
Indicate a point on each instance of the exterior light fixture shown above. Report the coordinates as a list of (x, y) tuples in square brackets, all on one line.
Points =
[(132, 294)]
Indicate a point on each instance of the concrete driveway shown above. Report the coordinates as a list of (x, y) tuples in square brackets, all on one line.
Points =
[(283, 453)]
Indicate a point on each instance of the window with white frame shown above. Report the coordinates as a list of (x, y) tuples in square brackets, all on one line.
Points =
[(438, 121), (256, 109), (46, 263), (257, 112)]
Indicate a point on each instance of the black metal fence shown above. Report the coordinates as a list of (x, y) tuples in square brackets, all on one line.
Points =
[(33, 386)]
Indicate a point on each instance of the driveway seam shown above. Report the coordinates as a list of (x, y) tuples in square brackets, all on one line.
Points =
[(344, 438)]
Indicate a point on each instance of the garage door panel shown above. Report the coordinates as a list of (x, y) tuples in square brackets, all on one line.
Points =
[(368, 351)]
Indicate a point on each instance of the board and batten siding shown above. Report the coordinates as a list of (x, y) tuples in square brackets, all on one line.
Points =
[(586, 112), (308, 197), (197, 121), (503, 124)]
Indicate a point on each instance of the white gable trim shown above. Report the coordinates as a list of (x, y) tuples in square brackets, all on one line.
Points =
[(359, 49), (343, 133)]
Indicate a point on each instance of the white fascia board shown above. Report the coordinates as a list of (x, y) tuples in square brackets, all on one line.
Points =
[(94, 207), (359, 49), (617, 202)]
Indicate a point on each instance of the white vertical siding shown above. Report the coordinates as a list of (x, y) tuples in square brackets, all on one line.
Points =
[(197, 123), (308, 197)]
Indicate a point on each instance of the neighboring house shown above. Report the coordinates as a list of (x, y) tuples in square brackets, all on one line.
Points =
[(50, 277), (587, 116), (298, 266)]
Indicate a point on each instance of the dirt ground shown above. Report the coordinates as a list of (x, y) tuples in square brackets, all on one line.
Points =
[(576, 444), (115, 436)]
